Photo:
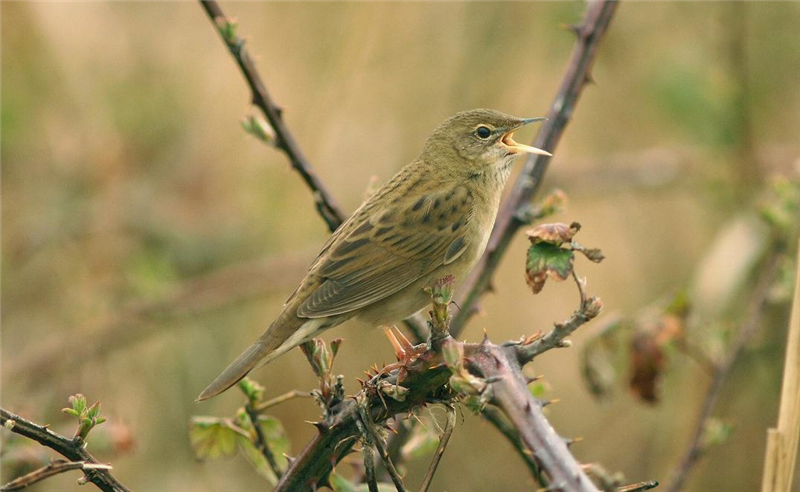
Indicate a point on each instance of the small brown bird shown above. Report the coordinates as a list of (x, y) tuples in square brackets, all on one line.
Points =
[(431, 219)]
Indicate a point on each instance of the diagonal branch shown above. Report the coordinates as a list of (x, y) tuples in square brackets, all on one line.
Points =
[(325, 203), (513, 215), (69, 448), (53, 468), (285, 141), (755, 310)]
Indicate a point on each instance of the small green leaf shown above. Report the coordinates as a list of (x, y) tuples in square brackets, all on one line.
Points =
[(212, 438), (547, 260), (252, 390), (715, 432), (78, 403), (423, 442), (256, 458), (70, 411)]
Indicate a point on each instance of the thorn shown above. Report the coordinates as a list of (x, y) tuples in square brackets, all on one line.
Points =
[(564, 343), (493, 379), (396, 345), (319, 425), (527, 407), (407, 345), (573, 28), (485, 340), (533, 379), (550, 402), (490, 287)]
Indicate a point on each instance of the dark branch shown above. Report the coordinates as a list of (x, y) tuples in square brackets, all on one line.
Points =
[(285, 141), (261, 442), (511, 217), (53, 468), (69, 448), (755, 310)]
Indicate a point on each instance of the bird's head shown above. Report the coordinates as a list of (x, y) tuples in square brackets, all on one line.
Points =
[(481, 137)]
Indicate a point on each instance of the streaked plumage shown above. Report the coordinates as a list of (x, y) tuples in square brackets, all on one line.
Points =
[(432, 218)]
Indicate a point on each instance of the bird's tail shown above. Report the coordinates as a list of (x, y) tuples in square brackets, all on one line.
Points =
[(284, 334)]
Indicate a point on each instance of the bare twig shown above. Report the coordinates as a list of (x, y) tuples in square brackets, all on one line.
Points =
[(782, 441), (285, 141), (69, 448), (53, 468), (589, 308), (261, 407), (437, 456), (756, 308), (510, 219), (374, 439), (325, 203)]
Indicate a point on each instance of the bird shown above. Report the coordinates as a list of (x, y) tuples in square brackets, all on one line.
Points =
[(433, 218)]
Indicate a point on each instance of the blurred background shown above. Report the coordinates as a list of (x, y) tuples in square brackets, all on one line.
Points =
[(147, 239)]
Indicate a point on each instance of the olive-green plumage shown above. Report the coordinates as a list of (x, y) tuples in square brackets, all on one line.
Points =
[(432, 218)]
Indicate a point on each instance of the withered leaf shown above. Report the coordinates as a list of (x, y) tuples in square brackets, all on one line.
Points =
[(556, 233), (547, 260)]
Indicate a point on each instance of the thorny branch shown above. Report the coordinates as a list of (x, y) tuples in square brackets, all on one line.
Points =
[(72, 449), (514, 213), (284, 140), (421, 377)]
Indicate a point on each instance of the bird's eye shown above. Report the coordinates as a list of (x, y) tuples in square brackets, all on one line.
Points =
[(483, 132)]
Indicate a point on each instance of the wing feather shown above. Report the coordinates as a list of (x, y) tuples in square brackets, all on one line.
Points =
[(377, 255)]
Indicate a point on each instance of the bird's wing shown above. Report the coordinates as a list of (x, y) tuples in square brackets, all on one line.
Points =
[(386, 251)]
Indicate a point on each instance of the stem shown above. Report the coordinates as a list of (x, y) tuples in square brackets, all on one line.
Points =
[(261, 440), (261, 407), (285, 141), (437, 456), (782, 441), (54, 468)]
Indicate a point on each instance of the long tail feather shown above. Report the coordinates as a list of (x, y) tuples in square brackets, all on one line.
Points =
[(285, 333), (236, 370)]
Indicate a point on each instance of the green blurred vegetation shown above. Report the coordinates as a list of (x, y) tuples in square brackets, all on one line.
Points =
[(126, 174)]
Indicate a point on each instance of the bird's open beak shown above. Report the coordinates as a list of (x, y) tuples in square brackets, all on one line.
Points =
[(518, 148)]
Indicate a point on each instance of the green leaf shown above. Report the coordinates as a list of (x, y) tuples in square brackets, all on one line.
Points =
[(256, 458), (715, 432), (78, 403), (251, 389), (423, 442), (276, 438), (547, 260), (212, 438)]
